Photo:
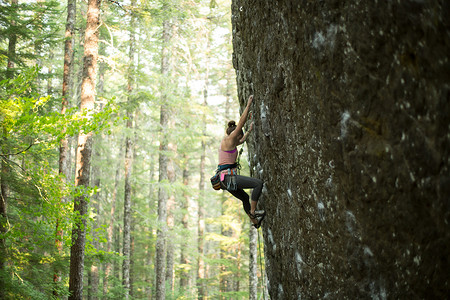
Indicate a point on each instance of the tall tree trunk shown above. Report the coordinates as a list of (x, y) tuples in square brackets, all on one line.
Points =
[(133, 223), (94, 278), (132, 262), (149, 253), (161, 250), (117, 248), (201, 270), (68, 63), (236, 281), (100, 91), (170, 244), (12, 40), (3, 209), (64, 161), (184, 276), (227, 282), (38, 47), (127, 212), (76, 90), (224, 283), (93, 272), (51, 56), (110, 230), (84, 151), (170, 219), (128, 162), (162, 214), (102, 66), (253, 264)]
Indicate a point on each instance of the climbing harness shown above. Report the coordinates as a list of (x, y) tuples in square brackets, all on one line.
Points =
[(233, 170)]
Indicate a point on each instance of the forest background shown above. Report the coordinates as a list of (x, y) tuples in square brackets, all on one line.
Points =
[(142, 222)]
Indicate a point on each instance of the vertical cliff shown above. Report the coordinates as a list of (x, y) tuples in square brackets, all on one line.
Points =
[(352, 139)]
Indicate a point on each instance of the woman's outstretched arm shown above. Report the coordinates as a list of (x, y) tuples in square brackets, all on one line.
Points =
[(243, 118)]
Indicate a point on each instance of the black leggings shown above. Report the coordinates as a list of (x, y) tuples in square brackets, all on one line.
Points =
[(244, 182)]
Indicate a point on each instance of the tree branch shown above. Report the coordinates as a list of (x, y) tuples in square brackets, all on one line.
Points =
[(118, 4), (6, 155)]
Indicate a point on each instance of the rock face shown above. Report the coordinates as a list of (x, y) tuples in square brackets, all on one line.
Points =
[(352, 139)]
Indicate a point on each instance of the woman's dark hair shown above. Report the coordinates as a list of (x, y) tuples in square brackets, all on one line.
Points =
[(231, 127)]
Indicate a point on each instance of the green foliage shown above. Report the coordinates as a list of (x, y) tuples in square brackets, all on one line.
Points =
[(37, 208), (36, 28), (34, 218), (41, 201), (24, 114)]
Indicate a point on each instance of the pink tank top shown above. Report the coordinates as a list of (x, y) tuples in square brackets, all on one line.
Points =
[(227, 157)]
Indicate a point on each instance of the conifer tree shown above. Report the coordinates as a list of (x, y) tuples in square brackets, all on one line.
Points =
[(12, 42), (3, 209), (4, 171), (201, 269), (170, 216), (129, 158), (161, 247), (84, 151), (184, 276), (66, 94), (67, 80)]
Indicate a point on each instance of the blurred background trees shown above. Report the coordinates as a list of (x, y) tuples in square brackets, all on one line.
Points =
[(164, 89)]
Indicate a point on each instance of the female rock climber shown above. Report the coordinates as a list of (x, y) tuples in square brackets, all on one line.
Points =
[(232, 182)]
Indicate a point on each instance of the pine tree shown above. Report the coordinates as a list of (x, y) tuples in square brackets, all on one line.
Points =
[(84, 150), (253, 264), (12, 43), (184, 277), (3, 208), (129, 159), (161, 247), (67, 81), (93, 271), (66, 93)]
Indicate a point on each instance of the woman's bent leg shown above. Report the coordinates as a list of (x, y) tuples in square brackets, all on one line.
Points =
[(245, 182)]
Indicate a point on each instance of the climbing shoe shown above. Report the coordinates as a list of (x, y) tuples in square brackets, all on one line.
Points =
[(259, 213), (259, 216)]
